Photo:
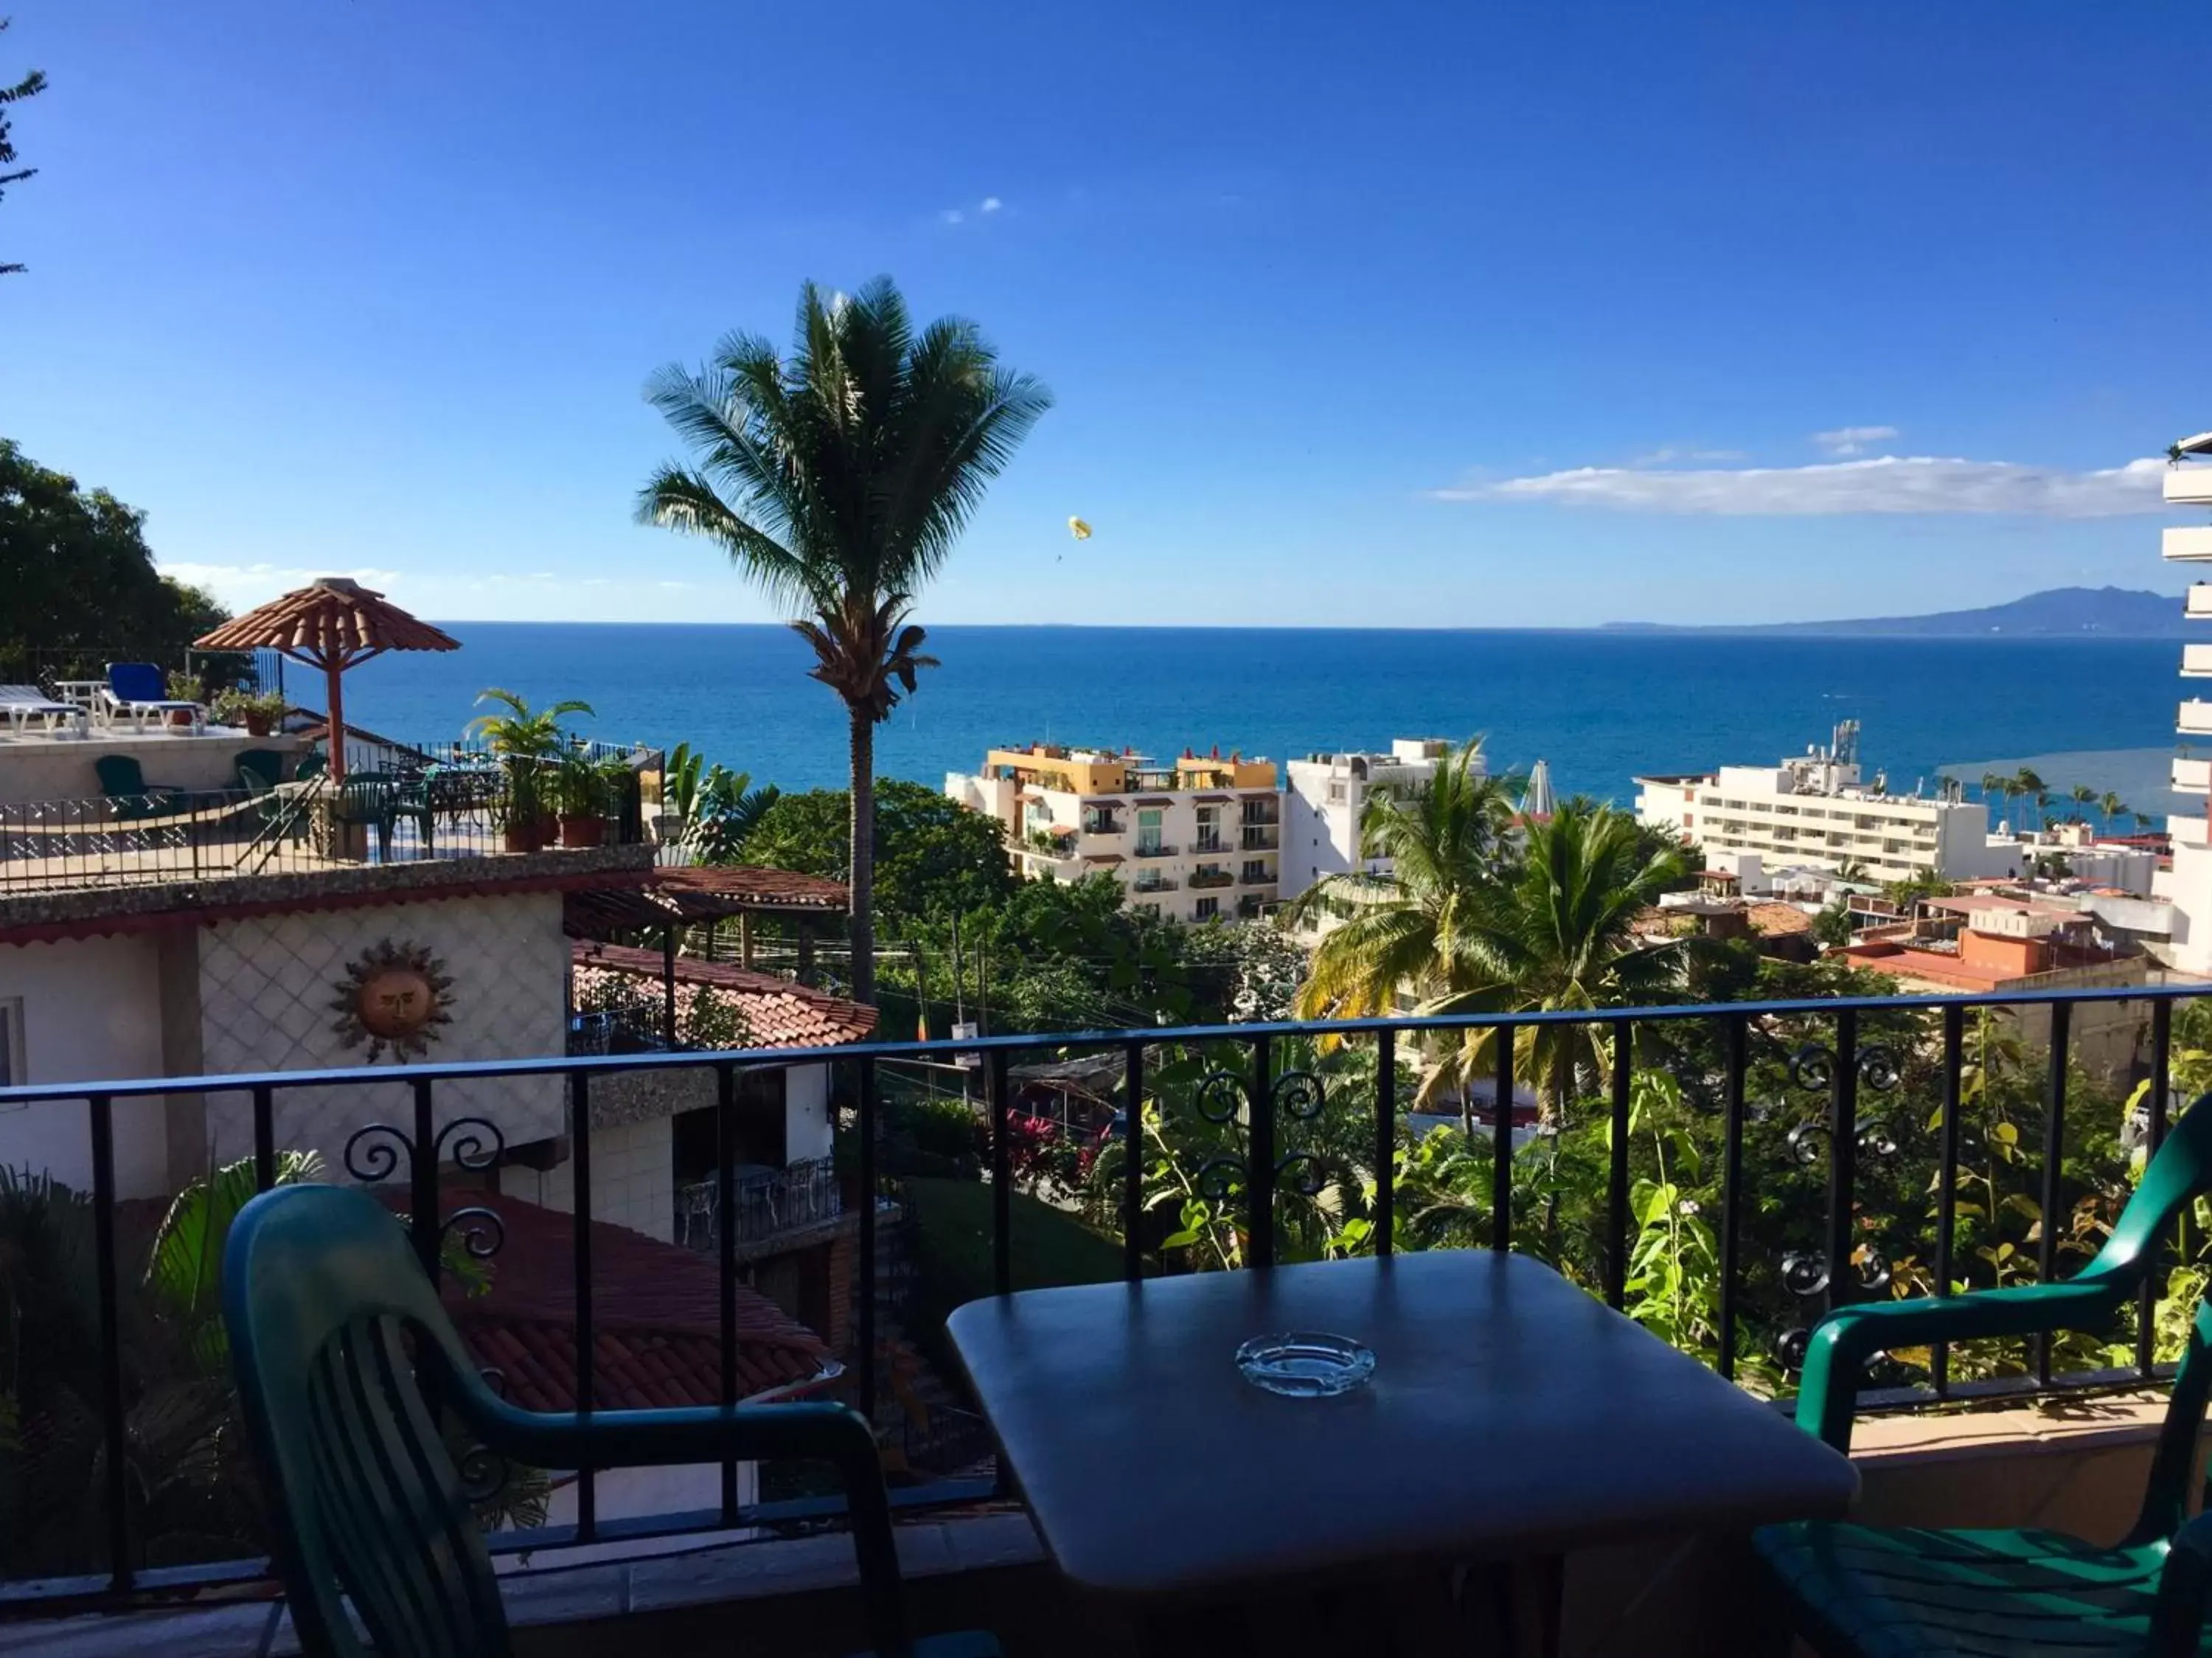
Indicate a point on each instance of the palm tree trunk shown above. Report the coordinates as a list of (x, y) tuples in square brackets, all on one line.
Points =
[(862, 854)]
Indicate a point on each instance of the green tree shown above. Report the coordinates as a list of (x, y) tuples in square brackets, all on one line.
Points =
[(1921, 883), (1833, 926), (1558, 935), (30, 87), (838, 479), (2083, 796), (929, 853), (1397, 933), (76, 571), (2111, 808), (2028, 786)]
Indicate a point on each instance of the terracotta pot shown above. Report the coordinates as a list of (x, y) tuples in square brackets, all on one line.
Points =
[(259, 725), (519, 838), (588, 829), (181, 717)]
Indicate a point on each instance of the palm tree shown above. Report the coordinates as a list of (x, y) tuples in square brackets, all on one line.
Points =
[(1558, 936), (838, 479), (1993, 785), (2112, 808), (1446, 844), (2082, 796), (2030, 786)]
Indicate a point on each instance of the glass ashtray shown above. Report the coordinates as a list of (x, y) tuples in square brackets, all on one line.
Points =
[(1305, 1363)]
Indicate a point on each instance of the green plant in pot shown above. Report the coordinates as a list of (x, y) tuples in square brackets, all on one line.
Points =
[(580, 798), (530, 744), (184, 688), (258, 712)]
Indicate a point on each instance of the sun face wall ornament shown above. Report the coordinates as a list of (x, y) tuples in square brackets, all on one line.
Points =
[(392, 995)]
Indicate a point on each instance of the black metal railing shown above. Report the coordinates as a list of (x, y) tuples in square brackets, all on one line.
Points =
[(396, 805), (1838, 1148), (764, 1202), (1152, 849), (48, 666), (1259, 837)]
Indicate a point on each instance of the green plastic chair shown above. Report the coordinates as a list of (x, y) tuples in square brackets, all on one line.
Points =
[(260, 769), (1876, 1592), (325, 1304), (129, 795)]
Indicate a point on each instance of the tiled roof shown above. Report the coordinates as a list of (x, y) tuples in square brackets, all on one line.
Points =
[(682, 893), (333, 619), (778, 1014), (656, 1330), (1774, 920)]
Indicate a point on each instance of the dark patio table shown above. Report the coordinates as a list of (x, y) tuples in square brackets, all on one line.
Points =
[(1511, 1417)]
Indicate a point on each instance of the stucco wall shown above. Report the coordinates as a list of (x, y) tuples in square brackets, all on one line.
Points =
[(633, 1179), (91, 1012), (266, 986)]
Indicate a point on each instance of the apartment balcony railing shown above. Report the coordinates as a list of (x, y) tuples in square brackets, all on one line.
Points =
[(764, 1201), (1259, 877), (1154, 884), (1103, 825), (1210, 843), (1209, 877), (1261, 837), (447, 803), (1151, 849), (1849, 1150), (1260, 813)]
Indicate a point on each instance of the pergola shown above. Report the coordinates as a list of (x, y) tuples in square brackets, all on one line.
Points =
[(331, 623)]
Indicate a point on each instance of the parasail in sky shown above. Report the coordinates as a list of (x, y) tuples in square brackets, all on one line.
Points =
[(1079, 529)]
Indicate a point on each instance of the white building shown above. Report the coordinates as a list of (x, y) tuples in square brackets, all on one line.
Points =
[(1814, 810), (2189, 883), (1192, 840), (1328, 792)]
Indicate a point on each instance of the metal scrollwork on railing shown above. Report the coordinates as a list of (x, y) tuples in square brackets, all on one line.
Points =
[(1813, 1067), (1805, 1272), (1221, 1097), (484, 1474), (474, 1143), (1789, 1347), (483, 1233), (1300, 1096), (1311, 1178), (372, 1153), (1217, 1177), (1807, 1142), (1874, 1268)]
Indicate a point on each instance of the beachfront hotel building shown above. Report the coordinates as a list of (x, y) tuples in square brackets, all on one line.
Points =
[(1326, 795), (2188, 885), (1814, 811), (1194, 839)]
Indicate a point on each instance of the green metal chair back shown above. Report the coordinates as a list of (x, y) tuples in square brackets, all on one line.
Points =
[(120, 776), (330, 1319), (260, 769)]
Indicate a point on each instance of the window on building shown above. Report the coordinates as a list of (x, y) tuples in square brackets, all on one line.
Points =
[(12, 1070), (1336, 793), (1206, 908), (1148, 829)]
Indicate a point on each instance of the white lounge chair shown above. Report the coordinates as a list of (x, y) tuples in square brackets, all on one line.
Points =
[(24, 702), (135, 693)]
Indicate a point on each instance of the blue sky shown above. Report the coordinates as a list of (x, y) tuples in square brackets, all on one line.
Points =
[(1506, 316)]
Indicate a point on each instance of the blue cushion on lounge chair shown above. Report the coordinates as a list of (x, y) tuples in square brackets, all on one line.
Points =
[(137, 682)]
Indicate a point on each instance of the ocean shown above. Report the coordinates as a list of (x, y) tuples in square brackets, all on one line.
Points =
[(1600, 707)]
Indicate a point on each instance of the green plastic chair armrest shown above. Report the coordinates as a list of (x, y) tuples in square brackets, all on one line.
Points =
[(1842, 1342), (745, 1433)]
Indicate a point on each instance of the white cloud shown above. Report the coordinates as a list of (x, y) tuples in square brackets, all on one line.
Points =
[(1668, 457), (1853, 440), (952, 216), (991, 204), (246, 585), (1886, 484)]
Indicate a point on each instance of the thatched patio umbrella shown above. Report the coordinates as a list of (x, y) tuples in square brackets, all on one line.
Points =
[(330, 624)]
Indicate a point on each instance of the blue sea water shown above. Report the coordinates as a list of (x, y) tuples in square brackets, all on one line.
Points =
[(1601, 707)]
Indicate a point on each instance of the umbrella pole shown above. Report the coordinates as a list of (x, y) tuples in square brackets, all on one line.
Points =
[(331, 669)]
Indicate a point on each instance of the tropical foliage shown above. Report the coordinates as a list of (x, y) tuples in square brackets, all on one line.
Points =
[(838, 479)]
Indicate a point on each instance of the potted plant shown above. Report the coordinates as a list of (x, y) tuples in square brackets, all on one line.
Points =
[(580, 798), (528, 742), (258, 712), (184, 688)]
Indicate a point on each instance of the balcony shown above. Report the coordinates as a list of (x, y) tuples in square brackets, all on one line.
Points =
[(1209, 842), (2188, 545), (2192, 777), (1207, 879), (1152, 849), (398, 808), (2197, 606), (1258, 876), (1810, 1231), (2188, 831), (2189, 486), (766, 1203), (2195, 718), (1261, 838), (1149, 882), (2197, 662), (1103, 823)]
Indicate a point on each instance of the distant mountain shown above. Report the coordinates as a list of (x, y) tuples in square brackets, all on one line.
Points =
[(2067, 613)]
